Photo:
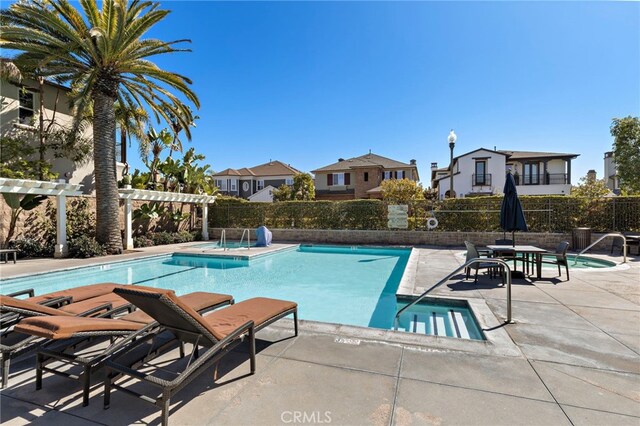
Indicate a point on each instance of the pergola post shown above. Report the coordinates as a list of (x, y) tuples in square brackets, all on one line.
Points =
[(205, 221), (61, 249), (128, 223)]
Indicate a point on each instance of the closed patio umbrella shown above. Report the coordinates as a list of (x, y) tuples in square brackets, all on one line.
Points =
[(511, 214)]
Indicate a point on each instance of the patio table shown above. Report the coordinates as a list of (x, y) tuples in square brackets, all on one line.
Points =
[(536, 253)]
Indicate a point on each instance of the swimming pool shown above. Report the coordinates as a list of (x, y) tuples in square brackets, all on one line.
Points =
[(584, 262), (346, 285)]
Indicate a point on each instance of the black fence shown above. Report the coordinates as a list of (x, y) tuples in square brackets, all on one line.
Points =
[(543, 214)]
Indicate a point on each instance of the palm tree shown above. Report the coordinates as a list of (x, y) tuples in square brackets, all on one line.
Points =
[(101, 54), (130, 122)]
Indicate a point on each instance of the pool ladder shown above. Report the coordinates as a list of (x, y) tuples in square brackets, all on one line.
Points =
[(246, 232), (498, 262), (612, 234), (223, 240)]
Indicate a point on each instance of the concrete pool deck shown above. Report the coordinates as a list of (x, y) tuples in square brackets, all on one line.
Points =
[(575, 359)]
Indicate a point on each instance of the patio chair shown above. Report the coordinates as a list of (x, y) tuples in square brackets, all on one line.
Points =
[(220, 331), (472, 253), (67, 335), (560, 258)]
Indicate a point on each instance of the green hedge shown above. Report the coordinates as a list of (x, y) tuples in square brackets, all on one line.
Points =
[(543, 214)]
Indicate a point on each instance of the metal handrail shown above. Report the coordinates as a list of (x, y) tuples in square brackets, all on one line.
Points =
[(611, 234), (223, 240), (452, 274), (248, 233)]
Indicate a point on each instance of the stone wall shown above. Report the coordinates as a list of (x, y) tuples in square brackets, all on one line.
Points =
[(547, 241)]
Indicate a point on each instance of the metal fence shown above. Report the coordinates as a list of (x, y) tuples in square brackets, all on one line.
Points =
[(543, 214)]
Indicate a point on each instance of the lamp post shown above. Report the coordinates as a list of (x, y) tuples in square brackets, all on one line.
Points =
[(452, 144)]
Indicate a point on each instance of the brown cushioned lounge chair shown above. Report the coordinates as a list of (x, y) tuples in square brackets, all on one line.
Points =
[(220, 332), (67, 333), (14, 344)]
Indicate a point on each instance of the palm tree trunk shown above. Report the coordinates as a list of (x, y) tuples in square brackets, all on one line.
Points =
[(104, 160)]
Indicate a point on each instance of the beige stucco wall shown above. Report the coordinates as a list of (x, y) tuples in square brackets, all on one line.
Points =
[(55, 99)]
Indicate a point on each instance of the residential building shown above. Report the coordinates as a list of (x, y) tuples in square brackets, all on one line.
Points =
[(611, 178), (360, 177), (19, 117), (483, 172), (248, 181)]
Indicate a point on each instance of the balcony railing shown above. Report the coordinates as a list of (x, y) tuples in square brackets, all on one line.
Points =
[(481, 179), (542, 179)]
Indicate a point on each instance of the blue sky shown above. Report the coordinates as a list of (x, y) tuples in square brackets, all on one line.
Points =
[(306, 83)]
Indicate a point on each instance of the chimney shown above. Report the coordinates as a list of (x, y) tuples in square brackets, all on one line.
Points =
[(591, 175), (434, 166), (340, 160), (412, 162)]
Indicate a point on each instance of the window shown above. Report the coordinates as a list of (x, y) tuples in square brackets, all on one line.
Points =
[(234, 184), (387, 175), (400, 174), (531, 174), (480, 176), (260, 184), (26, 107), (221, 184), (338, 179), (366, 176), (289, 181)]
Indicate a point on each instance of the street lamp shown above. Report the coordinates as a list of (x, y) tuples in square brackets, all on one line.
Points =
[(452, 144)]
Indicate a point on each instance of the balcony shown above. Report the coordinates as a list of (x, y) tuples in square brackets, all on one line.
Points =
[(542, 179), (481, 179)]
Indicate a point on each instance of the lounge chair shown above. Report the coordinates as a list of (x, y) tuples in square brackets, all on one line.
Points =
[(75, 294), (220, 331), (560, 258), (66, 334), (14, 344)]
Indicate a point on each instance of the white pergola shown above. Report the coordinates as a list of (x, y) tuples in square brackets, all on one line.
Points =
[(128, 195), (60, 190)]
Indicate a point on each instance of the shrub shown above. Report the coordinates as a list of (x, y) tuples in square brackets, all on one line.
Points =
[(85, 246), (183, 237), (162, 238), (31, 247), (142, 241)]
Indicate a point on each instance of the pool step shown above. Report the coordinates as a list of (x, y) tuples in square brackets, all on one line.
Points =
[(449, 324)]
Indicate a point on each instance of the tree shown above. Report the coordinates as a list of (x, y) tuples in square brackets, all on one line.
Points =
[(626, 151), (19, 203), (302, 189), (101, 54), (130, 122), (590, 188), (401, 191)]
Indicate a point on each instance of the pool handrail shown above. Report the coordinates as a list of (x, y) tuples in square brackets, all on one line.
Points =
[(452, 274), (223, 240), (246, 231), (611, 234)]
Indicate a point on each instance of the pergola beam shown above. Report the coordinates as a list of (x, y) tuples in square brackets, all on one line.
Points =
[(130, 194), (60, 190)]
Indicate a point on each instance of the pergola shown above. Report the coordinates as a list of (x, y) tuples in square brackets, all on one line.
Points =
[(128, 195), (60, 190)]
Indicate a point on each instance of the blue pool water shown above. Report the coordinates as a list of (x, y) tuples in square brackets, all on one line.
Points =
[(345, 285)]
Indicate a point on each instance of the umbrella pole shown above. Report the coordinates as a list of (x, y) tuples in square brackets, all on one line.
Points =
[(513, 238)]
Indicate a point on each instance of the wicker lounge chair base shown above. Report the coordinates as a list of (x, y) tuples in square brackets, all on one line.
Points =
[(220, 332)]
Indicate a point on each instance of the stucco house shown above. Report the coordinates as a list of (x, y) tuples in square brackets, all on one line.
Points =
[(360, 177), (20, 115), (483, 172), (247, 181)]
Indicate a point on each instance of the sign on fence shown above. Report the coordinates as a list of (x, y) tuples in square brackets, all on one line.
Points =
[(398, 216)]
